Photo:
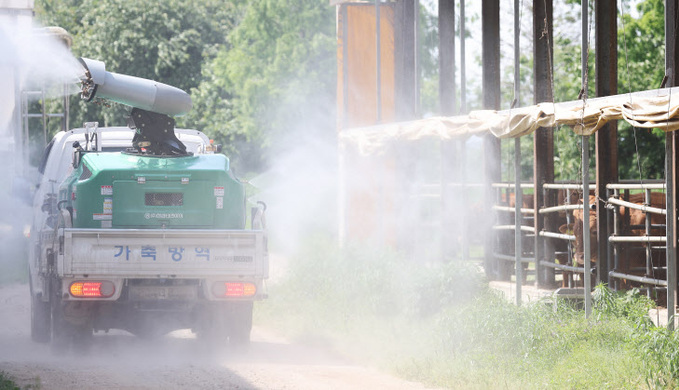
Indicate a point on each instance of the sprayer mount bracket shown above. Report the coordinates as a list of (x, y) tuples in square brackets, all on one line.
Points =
[(154, 134)]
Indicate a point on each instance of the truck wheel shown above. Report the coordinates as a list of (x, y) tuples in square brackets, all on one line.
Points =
[(66, 335), (230, 321), (41, 317), (41, 320), (60, 338), (240, 323)]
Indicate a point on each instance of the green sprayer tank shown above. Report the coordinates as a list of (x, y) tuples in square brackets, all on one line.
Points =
[(128, 191)]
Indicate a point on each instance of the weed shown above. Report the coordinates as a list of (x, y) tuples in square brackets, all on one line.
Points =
[(440, 324), (6, 384)]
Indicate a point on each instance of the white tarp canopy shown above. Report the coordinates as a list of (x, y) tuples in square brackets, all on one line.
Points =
[(647, 109)]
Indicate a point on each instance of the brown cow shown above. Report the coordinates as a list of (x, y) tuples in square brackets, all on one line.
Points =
[(629, 258)]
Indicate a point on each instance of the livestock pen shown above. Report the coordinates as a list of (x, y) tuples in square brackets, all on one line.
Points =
[(532, 228)]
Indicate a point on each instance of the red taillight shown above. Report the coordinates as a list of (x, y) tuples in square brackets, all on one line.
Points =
[(102, 289), (233, 289)]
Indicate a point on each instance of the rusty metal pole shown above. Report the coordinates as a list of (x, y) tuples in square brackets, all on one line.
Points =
[(606, 139), (585, 166), (447, 102), (518, 192), (543, 140), (378, 61), (463, 110), (405, 66), (446, 23), (344, 18), (490, 22), (671, 149), (463, 64)]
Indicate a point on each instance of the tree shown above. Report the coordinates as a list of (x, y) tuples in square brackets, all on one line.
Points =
[(276, 77), (641, 66), (163, 40)]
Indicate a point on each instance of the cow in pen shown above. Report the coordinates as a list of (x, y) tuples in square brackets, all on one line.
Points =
[(631, 222)]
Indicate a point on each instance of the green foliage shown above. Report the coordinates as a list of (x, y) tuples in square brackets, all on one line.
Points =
[(627, 304), (428, 61), (164, 40), (641, 60), (256, 70), (367, 280), (659, 352), (6, 384), (507, 165), (641, 66), (439, 324), (656, 347), (568, 155), (279, 71)]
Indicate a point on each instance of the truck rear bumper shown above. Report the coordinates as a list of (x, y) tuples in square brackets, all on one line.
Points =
[(148, 318), (135, 289)]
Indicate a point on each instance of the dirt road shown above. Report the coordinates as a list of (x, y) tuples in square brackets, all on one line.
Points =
[(118, 360)]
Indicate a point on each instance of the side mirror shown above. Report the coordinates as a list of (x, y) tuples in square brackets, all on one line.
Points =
[(77, 153), (49, 205), (258, 221)]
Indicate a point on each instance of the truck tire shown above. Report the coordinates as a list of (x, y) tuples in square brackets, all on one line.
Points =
[(227, 321), (210, 326), (41, 318), (60, 337), (240, 323), (41, 321), (65, 335)]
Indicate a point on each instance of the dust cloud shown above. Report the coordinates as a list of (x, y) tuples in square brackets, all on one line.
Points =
[(31, 58), (301, 190)]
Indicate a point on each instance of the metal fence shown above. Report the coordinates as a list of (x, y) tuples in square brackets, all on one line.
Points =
[(626, 263)]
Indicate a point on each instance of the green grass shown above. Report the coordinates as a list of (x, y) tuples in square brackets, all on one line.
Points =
[(6, 384), (441, 325)]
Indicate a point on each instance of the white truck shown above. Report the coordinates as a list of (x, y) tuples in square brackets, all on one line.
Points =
[(142, 229)]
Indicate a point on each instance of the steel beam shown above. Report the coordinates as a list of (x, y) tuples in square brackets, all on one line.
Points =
[(585, 161), (447, 102), (378, 60), (543, 141), (606, 139), (490, 21), (671, 149), (463, 63), (447, 92), (406, 60)]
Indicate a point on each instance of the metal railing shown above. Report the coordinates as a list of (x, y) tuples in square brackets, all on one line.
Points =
[(624, 245), (558, 245), (504, 251)]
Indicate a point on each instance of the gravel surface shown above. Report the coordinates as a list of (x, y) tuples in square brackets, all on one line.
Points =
[(118, 360)]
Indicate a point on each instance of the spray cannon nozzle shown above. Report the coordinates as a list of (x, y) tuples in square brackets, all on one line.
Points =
[(133, 91), (88, 87)]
